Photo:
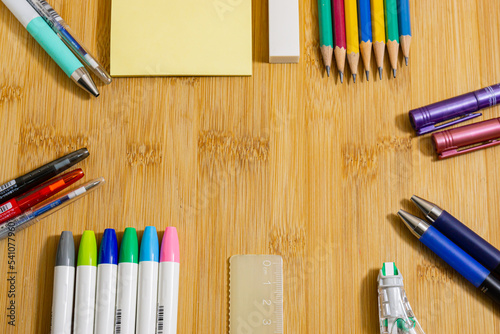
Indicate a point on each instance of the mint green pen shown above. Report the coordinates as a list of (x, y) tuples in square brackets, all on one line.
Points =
[(49, 41)]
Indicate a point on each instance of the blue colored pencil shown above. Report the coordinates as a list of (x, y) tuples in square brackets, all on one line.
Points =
[(365, 29), (404, 27)]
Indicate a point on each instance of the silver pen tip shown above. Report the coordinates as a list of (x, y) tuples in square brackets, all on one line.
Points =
[(341, 77), (85, 81), (328, 71), (416, 225), (430, 210), (394, 73), (380, 72), (354, 78), (406, 61), (367, 75)]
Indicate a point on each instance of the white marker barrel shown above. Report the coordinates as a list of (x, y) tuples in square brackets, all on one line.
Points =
[(126, 298), (62, 299), (105, 299), (168, 296), (146, 297), (85, 299)]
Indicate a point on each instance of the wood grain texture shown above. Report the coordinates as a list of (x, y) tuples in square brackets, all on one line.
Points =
[(285, 162)]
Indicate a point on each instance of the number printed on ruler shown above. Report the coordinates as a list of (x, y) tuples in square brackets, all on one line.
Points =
[(7, 185), (160, 318), (5, 207), (273, 279)]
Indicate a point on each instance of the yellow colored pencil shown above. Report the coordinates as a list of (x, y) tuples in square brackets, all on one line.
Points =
[(352, 35), (378, 29)]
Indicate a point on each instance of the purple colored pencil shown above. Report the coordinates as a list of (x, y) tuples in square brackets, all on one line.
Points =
[(453, 111)]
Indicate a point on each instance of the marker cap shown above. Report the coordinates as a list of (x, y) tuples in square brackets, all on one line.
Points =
[(108, 252), (467, 138), (129, 250), (170, 246), (65, 255), (149, 245), (87, 253)]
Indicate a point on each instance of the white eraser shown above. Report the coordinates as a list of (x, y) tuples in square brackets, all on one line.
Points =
[(284, 36)]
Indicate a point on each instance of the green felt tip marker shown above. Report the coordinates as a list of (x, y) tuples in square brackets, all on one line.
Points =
[(86, 275), (126, 294)]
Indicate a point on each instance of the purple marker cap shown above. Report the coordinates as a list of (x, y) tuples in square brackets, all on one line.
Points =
[(453, 111)]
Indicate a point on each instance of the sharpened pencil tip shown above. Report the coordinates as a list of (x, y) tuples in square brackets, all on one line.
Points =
[(367, 75), (341, 77), (394, 73), (380, 72), (328, 71), (406, 61), (354, 78)]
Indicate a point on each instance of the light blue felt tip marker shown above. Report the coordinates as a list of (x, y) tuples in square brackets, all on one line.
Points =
[(49, 41), (147, 287)]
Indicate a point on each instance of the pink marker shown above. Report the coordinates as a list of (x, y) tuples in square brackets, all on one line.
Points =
[(168, 283)]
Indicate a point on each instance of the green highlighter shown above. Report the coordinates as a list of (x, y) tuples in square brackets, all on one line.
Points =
[(51, 43)]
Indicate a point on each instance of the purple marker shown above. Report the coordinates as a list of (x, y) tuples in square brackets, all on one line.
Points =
[(453, 111)]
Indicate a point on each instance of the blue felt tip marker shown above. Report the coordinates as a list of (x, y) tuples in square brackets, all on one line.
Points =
[(462, 262), (148, 281), (107, 268)]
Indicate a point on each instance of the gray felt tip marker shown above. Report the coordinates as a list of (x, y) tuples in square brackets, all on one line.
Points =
[(64, 283)]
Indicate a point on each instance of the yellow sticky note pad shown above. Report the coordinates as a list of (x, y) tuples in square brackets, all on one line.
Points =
[(181, 37)]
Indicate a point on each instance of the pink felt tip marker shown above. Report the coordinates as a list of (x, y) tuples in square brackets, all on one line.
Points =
[(168, 283), (467, 138)]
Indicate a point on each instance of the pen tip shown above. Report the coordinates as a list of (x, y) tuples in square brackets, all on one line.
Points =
[(394, 73), (341, 77), (354, 78), (367, 75), (85, 81), (380, 72), (406, 61), (328, 71)]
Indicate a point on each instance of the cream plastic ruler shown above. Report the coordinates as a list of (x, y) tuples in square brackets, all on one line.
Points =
[(256, 294)]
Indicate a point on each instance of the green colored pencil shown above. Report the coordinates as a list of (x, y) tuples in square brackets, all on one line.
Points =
[(326, 32), (392, 32)]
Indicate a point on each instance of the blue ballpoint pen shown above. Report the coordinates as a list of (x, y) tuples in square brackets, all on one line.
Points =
[(462, 262), (49, 41), (62, 29), (461, 235), (11, 227)]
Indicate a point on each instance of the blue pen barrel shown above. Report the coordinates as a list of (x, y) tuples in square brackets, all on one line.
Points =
[(462, 262), (469, 241)]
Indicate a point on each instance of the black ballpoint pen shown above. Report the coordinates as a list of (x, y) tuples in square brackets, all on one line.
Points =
[(24, 183)]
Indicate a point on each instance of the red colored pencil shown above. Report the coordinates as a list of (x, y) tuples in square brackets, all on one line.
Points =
[(340, 42)]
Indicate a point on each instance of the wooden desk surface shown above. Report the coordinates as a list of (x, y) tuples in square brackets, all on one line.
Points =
[(284, 162)]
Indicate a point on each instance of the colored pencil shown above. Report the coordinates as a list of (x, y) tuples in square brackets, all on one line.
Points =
[(365, 27), (404, 27), (352, 34), (392, 32), (340, 36), (378, 29), (326, 32)]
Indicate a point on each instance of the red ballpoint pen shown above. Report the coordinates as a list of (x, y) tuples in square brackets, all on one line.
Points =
[(22, 203)]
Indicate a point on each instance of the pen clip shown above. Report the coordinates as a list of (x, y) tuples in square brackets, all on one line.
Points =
[(455, 152), (445, 124)]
